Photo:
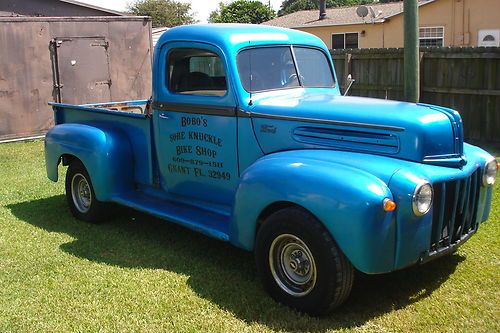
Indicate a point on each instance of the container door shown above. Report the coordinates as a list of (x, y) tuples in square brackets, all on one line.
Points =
[(82, 70)]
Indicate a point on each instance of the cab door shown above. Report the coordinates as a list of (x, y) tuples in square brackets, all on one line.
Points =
[(195, 118)]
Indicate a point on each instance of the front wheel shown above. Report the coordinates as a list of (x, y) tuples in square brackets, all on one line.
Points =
[(80, 195), (300, 264)]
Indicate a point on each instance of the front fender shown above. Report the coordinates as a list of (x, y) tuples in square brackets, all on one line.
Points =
[(105, 153), (348, 201), (413, 232)]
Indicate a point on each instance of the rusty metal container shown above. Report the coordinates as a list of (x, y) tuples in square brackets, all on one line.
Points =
[(70, 60)]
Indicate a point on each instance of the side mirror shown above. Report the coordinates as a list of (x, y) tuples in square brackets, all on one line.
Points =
[(349, 82)]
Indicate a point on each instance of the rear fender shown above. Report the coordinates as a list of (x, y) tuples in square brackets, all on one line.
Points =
[(348, 201), (106, 154)]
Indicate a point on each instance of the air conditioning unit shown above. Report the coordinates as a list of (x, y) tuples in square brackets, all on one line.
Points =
[(488, 37)]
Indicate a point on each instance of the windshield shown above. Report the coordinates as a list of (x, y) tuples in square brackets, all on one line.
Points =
[(268, 68)]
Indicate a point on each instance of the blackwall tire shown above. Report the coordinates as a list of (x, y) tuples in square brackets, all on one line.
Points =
[(80, 195), (300, 264)]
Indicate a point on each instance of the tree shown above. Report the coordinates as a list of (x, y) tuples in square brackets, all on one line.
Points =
[(242, 11), (164, 13), (291, 6)]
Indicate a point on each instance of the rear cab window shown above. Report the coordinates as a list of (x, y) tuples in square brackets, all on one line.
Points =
[(196, 72)]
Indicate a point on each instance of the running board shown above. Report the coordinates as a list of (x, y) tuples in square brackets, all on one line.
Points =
[(207, 222)]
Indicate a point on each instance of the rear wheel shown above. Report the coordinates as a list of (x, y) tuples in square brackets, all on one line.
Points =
[(300, 264), (80, 195)]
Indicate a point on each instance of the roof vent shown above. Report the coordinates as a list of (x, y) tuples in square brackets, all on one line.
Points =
[(488, 37), (322, 9)]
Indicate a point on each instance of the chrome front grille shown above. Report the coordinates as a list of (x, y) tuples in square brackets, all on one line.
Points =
[(454, 211)]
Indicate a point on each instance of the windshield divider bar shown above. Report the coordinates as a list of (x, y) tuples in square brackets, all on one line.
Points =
[(296, 66)]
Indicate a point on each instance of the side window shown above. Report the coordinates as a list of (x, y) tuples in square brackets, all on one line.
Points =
[(196, 72)]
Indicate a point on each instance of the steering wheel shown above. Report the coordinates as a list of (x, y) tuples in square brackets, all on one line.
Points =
[(294, 78)]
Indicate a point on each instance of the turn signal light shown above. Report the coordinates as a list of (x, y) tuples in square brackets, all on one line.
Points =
[(389, 205)]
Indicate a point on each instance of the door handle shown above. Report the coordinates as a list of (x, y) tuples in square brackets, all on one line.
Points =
[(163, 116)]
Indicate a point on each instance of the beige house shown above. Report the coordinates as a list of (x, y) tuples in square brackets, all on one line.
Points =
[(442, 23)]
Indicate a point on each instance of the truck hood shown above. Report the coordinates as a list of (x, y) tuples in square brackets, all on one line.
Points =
[(317, 118)]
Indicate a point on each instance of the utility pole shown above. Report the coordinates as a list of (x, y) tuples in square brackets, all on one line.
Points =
[(411, 58)]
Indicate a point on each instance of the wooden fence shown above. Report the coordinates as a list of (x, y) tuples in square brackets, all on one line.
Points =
[(465, 79)]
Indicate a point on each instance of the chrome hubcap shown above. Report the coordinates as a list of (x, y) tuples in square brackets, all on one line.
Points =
[(80, 192), (292, 265)]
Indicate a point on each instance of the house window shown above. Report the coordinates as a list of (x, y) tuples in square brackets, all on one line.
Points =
[(431, 36), (345, 41)]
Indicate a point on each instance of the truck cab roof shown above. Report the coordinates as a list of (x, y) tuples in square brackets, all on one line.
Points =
[(232, 37)]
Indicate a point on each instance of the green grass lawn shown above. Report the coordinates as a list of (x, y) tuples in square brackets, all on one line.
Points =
[(138, 273)]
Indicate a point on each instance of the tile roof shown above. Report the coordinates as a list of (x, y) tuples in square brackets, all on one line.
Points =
[(340, 16)]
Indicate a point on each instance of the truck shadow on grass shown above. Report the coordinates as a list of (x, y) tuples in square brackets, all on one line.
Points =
[(222, 273)]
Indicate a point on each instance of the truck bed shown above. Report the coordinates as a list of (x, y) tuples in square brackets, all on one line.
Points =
[(137, 106), (131, 118), (124, 108)]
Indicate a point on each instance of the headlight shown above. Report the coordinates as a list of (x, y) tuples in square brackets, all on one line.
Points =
[(490, 173), (422, 199)]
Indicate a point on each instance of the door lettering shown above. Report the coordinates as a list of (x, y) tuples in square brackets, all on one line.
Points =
[(198, 160)]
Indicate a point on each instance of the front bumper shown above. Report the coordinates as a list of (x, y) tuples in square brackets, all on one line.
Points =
[(460, 204), (431, 255)]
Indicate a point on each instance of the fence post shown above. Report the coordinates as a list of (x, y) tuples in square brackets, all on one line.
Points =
[(421, 65), (411, 66)]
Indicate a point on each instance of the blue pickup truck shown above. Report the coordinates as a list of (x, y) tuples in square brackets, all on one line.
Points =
[(248, 139)]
